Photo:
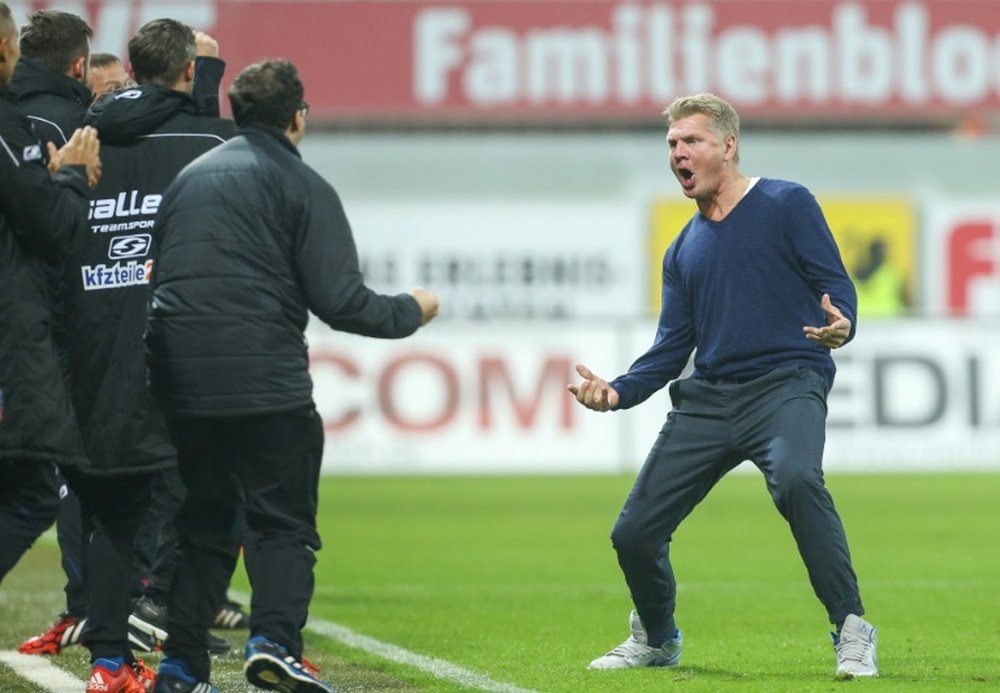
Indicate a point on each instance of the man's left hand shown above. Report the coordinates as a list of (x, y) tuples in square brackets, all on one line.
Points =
[(837, 329)]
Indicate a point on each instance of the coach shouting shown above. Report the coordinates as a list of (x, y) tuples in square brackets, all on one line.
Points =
[(755, 287)]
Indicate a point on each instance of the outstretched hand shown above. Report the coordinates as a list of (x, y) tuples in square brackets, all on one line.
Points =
[(594, 392), (428, 302), (837, 328)]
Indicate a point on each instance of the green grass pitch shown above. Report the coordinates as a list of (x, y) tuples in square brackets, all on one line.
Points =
[(514, 579)]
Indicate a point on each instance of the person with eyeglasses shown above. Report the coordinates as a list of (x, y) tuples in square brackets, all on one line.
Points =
[(251, 241)]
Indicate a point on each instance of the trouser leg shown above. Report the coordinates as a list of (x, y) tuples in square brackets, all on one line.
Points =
[(117, 504), (168, 496), (205, 525), (787, 440), (29, 501), (689, 456), (70, 533), (280, 473)]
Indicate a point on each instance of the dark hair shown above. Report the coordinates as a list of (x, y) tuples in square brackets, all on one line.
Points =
[(5, 14), (160, 51), (266, 94), (55, 39), (103, 59)]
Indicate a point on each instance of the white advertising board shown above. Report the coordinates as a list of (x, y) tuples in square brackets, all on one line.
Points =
[(491, 398), (464, 401), (505, 259), (961, 256)]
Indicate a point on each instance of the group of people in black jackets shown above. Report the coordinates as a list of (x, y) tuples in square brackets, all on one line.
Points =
[(160, 264)]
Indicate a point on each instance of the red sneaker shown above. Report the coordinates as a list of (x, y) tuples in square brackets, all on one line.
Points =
[(144, 674), (109, 676), (63, 633)]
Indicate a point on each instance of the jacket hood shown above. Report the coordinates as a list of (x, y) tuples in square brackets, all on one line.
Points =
[(32, 78), (124, 115)]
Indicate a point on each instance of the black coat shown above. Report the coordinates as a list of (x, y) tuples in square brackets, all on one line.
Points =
[(55, 104), (39, 217), (250, 240), (147, 135)]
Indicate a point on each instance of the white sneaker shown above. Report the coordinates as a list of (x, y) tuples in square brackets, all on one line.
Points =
[(634, 652), (855, 648)]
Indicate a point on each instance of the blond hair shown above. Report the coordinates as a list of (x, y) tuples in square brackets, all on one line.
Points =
[(723, 119)]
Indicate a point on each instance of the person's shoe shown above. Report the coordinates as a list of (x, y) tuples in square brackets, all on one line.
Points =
[(64, 632), (217, 645), (231, 616), (855, 648), (144, 674), (112, 676), (634, 652), (270, 666), (151, 612), (173, 676), (147, 628), (145, 636), (142, 641)]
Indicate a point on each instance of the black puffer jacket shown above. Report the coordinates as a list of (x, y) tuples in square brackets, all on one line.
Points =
[(147, 135), (38, 217), (250, 239)]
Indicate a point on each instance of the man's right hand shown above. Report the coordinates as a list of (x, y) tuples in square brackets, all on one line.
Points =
[(83, 149), (428, 302), (594, 392)]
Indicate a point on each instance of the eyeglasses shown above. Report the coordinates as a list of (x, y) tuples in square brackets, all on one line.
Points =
[(304, 107)]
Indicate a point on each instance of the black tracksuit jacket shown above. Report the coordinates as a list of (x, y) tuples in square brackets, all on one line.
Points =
[(148, 134), (250, 240), (55, 104), (39, 217)]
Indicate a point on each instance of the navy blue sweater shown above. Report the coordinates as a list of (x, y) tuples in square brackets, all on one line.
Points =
[(741, 289)]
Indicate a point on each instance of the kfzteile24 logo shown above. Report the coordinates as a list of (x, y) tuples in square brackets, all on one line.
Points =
[(116, 276)]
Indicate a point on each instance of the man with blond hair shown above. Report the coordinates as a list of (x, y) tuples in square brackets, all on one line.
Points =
[(754, 285)]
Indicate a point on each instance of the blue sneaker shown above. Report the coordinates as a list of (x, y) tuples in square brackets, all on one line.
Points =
[(270, 666), (173, 676)]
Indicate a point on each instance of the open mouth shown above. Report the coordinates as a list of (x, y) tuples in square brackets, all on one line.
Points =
[(686, 178)]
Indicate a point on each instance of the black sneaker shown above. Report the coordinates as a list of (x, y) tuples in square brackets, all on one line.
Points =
[(147, 628), (151, 611), (270, 666), (217, 645), (231, 616)]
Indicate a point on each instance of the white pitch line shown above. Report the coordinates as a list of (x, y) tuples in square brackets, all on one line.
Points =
[(55, 680), (440, 668), (41, 671)]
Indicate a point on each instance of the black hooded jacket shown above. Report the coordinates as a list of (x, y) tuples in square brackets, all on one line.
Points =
[(55, 104), (38, 218), (250, 240), (147, 134)]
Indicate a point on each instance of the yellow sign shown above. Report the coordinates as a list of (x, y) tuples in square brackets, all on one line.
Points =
[(877, 239)]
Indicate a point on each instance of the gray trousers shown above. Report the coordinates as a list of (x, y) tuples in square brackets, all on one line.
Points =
[(778, 421)]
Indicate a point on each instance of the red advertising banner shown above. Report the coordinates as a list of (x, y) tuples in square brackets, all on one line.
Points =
[(599, 60)]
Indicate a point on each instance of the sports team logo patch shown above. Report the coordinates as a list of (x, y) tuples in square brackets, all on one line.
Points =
[(32, 152), (123, 247)]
